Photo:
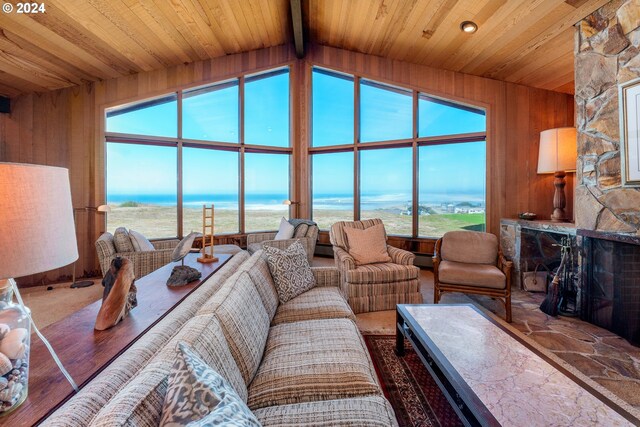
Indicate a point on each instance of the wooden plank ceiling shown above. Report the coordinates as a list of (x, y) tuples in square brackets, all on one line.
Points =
[(76, 41)]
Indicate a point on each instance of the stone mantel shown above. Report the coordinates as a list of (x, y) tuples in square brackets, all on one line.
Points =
[(528, 243), (613, 237), (542, 225)]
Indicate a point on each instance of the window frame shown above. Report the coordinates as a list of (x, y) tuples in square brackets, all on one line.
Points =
[(179, 142), (415, 142)]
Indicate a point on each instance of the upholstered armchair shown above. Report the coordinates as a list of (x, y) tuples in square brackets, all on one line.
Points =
[(379, 286), (304, 233), (472, 262), (144, 262)]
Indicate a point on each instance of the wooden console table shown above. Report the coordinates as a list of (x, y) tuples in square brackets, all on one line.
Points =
[(85, 352)]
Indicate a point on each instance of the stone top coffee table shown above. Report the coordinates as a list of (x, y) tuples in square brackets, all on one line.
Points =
[(493, 377)]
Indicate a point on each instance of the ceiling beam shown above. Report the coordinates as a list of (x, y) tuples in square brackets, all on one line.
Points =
[(298, 29)]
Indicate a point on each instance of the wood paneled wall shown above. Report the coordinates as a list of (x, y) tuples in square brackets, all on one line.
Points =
[(63, 128)]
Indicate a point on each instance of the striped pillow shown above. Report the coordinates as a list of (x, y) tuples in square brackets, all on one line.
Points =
[(368, 246)]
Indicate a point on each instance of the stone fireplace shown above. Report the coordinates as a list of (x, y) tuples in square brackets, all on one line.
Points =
[(607, 48)]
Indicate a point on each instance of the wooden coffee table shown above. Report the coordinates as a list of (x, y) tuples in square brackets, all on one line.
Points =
[(492, 377), (85, 352)]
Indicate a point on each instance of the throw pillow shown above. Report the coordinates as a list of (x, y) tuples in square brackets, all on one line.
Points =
[(368, 246), (290, 269), (139, 242), (198, 396), (122, 241), (285, 231)]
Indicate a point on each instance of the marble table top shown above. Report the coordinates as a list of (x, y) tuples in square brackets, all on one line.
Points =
[(517, 386)]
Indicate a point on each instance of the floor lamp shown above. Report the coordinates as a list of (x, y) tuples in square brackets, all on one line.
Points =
[(102, 208), (37, 234)]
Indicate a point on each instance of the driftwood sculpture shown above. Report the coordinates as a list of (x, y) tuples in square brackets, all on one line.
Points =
[(119, 296)]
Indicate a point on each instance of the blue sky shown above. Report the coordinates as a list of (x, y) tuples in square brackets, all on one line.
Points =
[(385, 114)]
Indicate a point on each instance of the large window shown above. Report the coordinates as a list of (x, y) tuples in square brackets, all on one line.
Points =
[(332, 178), (452, 188), (266, 187), (160, 174), (209, 177), (142, 188), (420, 161), (332, 109), (386, 188)]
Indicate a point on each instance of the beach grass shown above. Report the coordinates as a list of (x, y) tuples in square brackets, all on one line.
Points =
[(161, 221)]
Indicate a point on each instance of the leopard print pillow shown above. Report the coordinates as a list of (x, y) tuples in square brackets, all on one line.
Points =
[(198, 396), (290, 269)]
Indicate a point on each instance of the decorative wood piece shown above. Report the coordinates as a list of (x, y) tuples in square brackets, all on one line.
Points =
[(207, 235), (559, 199), (119, 296)]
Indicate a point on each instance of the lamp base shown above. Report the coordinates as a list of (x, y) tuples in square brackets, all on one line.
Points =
[(559, 199), (82, 284)]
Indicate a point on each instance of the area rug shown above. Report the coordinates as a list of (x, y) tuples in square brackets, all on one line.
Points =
[(414, 395)]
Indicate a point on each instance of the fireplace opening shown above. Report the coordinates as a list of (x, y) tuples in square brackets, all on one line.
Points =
[(611, 283)]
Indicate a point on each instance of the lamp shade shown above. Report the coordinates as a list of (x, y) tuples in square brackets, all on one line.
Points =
[(37, 231), (557, 150), (104, 208)]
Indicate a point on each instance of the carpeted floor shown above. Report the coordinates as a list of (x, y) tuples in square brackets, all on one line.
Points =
[(414, 395)]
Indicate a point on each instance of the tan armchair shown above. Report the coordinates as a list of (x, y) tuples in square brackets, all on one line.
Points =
[(472, 262), (304, 233), (374, 287), (144, 262)]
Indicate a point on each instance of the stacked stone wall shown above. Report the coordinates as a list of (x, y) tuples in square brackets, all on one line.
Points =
[(607, 50)]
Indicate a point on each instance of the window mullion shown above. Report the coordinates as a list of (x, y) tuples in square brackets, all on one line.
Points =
[(356, 141), (241, 155), (179, 172), (415, 201)]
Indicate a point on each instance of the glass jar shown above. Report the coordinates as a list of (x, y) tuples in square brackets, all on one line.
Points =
[(15, 340)]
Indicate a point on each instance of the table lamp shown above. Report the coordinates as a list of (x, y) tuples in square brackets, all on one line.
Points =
[(102, 209), (557, 155), (37, 234)]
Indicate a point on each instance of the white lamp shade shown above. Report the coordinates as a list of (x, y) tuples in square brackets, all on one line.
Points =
[(558, 150), (37, 231), (104, 208)]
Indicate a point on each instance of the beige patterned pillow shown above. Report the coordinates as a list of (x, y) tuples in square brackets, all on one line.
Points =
[(368, 246), (122, 241), (198, 396), (290, 270)]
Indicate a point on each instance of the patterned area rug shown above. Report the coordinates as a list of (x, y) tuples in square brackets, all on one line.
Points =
[(414, 395)]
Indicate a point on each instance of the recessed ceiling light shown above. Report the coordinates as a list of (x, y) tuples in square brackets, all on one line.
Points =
[(469, 27)]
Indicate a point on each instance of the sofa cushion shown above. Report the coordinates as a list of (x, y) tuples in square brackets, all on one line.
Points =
[(139, 242), (122, 241), (317, 303), (313, 360), (258, 269), (197, 395), (382, 273), (469, 246), (359, 411), (290, 270), (245, 324), (368, 246), (460, 273)]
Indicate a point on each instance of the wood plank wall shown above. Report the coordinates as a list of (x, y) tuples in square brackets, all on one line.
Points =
[(63, 128)]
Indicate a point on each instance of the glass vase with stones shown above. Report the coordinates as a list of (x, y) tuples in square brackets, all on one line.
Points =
[(15, 332)]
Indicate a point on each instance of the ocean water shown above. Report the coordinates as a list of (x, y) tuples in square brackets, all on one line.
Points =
[(320, 201)]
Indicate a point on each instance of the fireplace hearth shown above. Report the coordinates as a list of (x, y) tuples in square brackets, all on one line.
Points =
[(611, 282)]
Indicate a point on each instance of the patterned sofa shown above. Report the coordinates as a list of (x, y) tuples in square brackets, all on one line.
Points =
[(301, 363)]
